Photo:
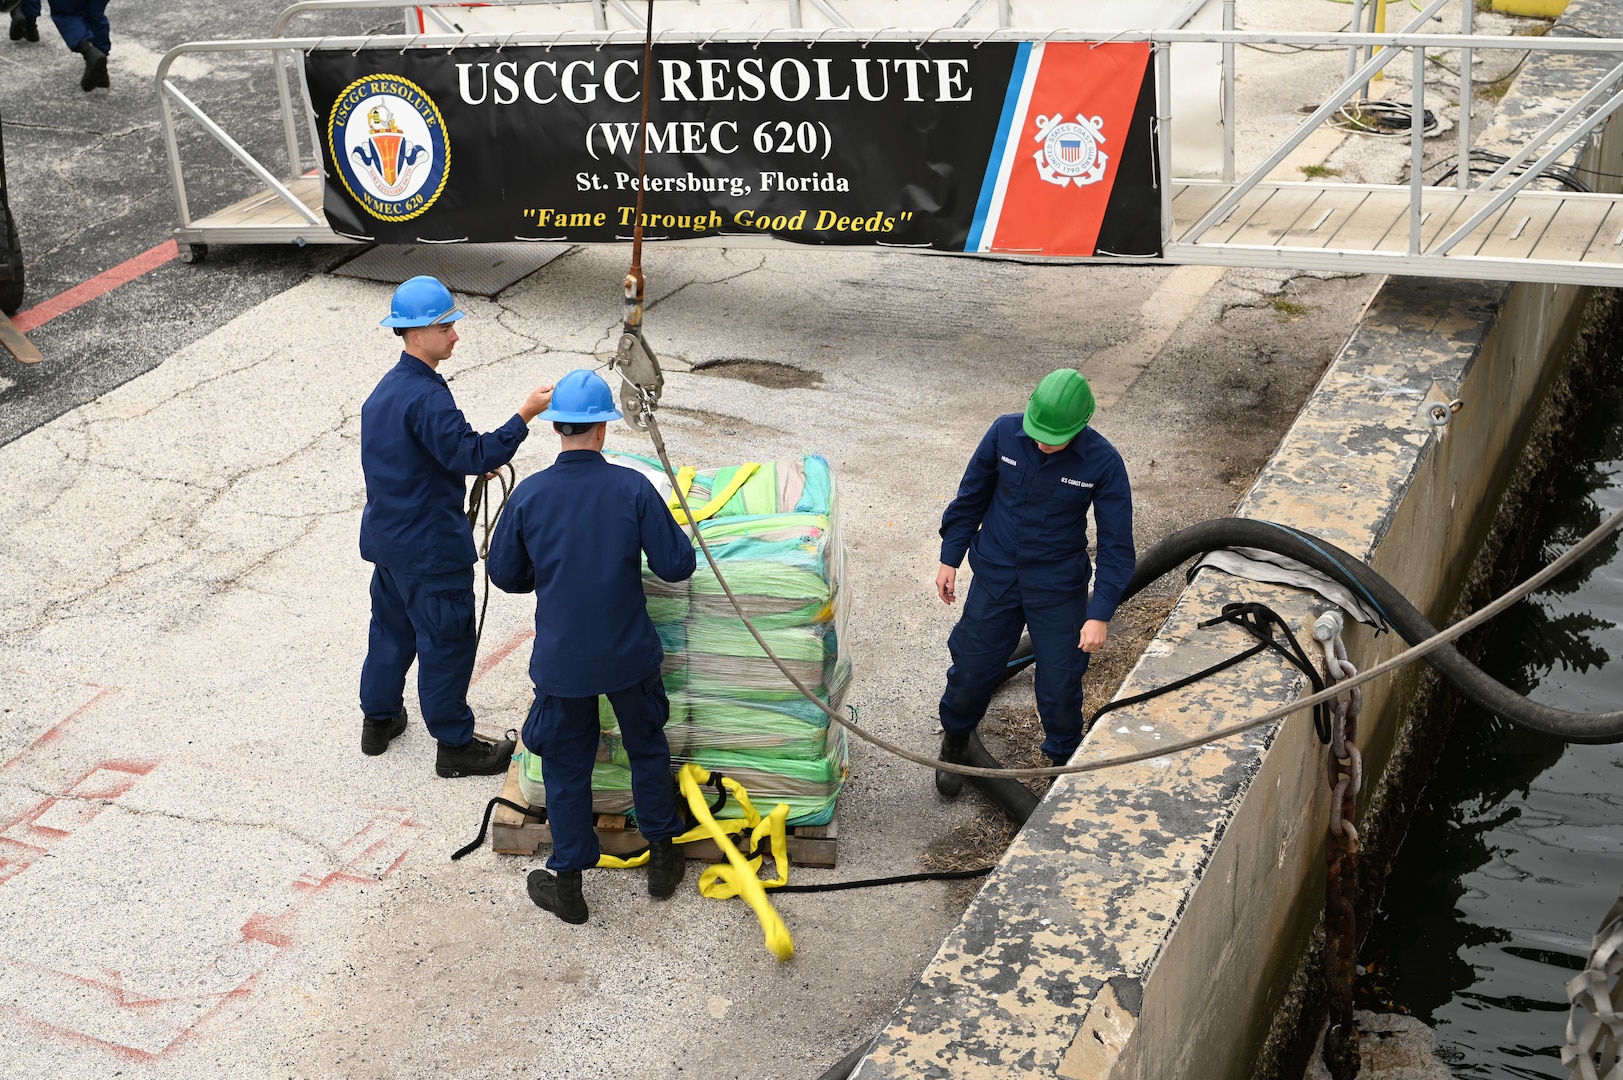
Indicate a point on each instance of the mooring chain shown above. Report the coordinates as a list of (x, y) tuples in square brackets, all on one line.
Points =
[(1345, 774), (642, 383), (1347, 768), (1594, 1050)]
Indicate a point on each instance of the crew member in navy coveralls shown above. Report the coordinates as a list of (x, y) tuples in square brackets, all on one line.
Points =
[(1021, 514), (416, 451), (84, 29), (576, 534)]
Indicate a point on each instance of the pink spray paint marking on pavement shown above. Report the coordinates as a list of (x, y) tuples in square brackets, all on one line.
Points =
[(98, 1007)]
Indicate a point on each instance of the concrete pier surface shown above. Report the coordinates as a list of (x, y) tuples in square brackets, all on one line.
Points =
[(200, 870), (1148, 920)]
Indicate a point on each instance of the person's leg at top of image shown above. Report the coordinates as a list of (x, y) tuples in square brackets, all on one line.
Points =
[(85, 30), (25, 21)]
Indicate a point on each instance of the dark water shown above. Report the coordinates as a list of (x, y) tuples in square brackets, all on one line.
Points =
[(1516, 849)]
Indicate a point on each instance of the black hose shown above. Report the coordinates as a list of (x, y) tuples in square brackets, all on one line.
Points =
[(1016, 798), (894, 879), (1019, 660), (847, 1065), (1475, 685)]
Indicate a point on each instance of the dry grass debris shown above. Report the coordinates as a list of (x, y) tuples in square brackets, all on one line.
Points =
[(1014, 734)]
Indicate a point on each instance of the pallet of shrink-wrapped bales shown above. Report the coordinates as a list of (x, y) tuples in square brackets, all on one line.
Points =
[(774, 529)]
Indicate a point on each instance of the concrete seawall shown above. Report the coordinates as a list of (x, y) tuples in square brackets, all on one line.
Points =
[(1146, 921)]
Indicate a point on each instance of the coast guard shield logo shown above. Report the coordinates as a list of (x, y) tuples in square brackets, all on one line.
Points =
[(388, 142), (1070, 153)]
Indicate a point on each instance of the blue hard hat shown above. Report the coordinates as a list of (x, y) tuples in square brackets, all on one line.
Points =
[(582, 397), (422, 301)]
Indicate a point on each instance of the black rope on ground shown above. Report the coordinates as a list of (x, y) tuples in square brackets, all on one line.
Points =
[(1259, 621), (1187, 680), (484, 826), (899, 879), (1565, 175)]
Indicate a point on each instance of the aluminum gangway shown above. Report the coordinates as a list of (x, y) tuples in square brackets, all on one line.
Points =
[(1501, 227)]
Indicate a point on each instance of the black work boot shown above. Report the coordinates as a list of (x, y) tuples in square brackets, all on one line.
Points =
[(559, 895), (377, 734), (952, 751), (666, 867), (474, 759), (22, 27), (95, 66)]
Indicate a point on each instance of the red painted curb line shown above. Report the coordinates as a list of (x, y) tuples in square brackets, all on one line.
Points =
[(100, 285)]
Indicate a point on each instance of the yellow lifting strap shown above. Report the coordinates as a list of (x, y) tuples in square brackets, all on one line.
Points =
[(738, 876), (684, 480)]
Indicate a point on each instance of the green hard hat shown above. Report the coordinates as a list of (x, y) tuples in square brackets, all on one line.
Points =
[(1059, 408)]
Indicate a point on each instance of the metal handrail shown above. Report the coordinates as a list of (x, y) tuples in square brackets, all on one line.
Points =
[(237, 151), (792, 9), (305, 7), (283, 49), (485, 39), (1551, 156), (1328, 108), (1555, 126)]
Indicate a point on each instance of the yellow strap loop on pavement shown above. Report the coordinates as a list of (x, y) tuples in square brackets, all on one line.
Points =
[(778, 838), (684, 480), (614, 862), (738, 876), (716, 881)]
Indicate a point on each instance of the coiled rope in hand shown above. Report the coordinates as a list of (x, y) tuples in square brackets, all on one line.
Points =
[(479, 507)]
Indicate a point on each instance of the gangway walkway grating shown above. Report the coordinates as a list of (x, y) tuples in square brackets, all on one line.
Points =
[(1558, 237), (265, 218)]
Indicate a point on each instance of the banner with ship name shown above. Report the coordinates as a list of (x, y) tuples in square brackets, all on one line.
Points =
[(1012, 147)]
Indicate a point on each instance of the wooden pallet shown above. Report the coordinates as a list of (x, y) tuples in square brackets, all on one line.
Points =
[(513, 833)]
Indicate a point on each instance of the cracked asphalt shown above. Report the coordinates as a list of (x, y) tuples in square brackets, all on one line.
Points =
[(88, 181), (200, 873)]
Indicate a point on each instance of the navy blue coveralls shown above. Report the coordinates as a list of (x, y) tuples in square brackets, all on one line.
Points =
[(417, 450), (77, 21), (1021, 515), (575, 533)]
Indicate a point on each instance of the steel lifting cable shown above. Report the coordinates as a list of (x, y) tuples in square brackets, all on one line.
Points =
[(646, 402), (634, 276), (506, 476), (1407, 656)]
